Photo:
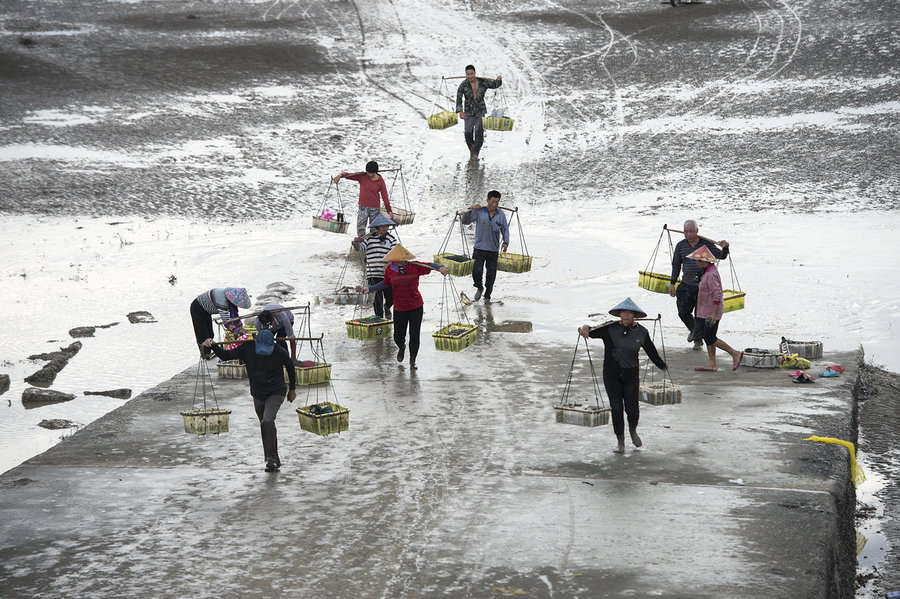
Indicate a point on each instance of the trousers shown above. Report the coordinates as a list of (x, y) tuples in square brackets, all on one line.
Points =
[(622, 389), (364, 216), (384, 300), (413, 318), (484, 258), (266, 410), (474, 133), (686, 301)]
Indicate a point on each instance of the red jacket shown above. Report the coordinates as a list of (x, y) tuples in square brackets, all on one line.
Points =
[(370, 190), (406, 286)]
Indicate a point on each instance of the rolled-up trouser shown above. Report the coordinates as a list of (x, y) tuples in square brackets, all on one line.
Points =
[(383, 299), (686, 300), (474, 133), (622, 389), (484, 258), (266, 410), (364, 216)]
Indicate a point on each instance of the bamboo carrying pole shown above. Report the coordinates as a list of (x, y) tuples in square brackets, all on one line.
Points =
[(253, 340), (466, 77), (252, 314), (513, 210), (666, 227)]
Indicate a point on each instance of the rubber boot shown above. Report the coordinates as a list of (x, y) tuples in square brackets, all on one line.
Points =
[(634, 436), (620, 447)]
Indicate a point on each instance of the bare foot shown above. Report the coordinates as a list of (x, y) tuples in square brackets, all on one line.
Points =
[(706, 368)]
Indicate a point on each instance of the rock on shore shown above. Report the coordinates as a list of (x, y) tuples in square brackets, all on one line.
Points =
[(33, 395)]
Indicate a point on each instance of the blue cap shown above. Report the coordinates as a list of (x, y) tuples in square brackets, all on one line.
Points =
[(265, 343), (628, 304)]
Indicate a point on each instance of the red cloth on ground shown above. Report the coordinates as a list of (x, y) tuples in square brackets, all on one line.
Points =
[(369, 190), (406, 286)]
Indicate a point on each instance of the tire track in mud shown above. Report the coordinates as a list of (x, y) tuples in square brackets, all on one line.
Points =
[(365, 70), (723, 90)]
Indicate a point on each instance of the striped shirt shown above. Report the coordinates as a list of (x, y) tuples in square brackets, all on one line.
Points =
[(377, 248), (688, 267)]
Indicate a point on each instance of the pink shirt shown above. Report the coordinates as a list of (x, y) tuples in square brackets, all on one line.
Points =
[(370, 190), (710, 297)]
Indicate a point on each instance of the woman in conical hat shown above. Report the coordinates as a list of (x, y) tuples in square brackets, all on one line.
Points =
[(709, 310), (402, 277), (622, 340), (225, 301)]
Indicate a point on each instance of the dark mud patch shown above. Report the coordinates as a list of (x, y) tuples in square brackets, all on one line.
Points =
[(55, 424), (57, 361), (878, 394), (117, 393)]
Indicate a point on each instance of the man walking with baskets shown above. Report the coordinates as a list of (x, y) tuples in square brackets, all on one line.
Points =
[(471, 107), (490, 224)]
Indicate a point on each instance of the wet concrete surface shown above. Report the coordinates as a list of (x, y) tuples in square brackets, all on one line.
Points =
[(453, 481)]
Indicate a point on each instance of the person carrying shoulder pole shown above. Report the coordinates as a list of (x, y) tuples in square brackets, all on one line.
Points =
[(490, 223), (471, 107), (371, 186), (686, 294)]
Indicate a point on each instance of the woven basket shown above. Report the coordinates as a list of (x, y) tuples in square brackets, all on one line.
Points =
[(365, 329), (205, 421), (653, 281), (330, 225), (231, 369), (517, 263), (734, 300), (582, 414), (347, 296), (401, 216), (805, 349), (442, 120), (455, 337), (457, 267), (335, 421), (761, 358), (661, 393), (311, 375), (497, 123)]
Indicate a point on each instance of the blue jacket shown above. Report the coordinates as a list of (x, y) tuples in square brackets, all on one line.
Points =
[(487, 229)]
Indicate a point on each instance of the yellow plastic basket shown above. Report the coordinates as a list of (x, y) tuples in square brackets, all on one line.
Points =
[(206, 421), (497, 123), (582, 414), (734, 300), (311, 375), (231, 369), (517, 263), (330, 225), (442, 120), (654, 281), (455, 336), (457, 268), (365, 329), (337, 420), (401, 216)]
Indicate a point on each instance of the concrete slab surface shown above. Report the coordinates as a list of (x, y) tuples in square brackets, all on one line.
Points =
[(453, 481)]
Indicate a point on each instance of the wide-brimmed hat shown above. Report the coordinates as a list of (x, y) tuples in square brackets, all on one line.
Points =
[(265, 343), (398, 254), (238, 296), (628, 304), (381, 221), (702, 253)]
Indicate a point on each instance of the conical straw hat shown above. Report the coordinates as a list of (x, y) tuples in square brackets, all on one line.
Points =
[(628, 304), (398, 254), (702, 253)]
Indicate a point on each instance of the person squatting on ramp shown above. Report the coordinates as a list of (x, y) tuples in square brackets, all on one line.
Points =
[(490, 224), (471, 107), (371, 186), (686, 295), (222, 300), (621, 341), (275, 318), (265, 368), (402, 277)]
